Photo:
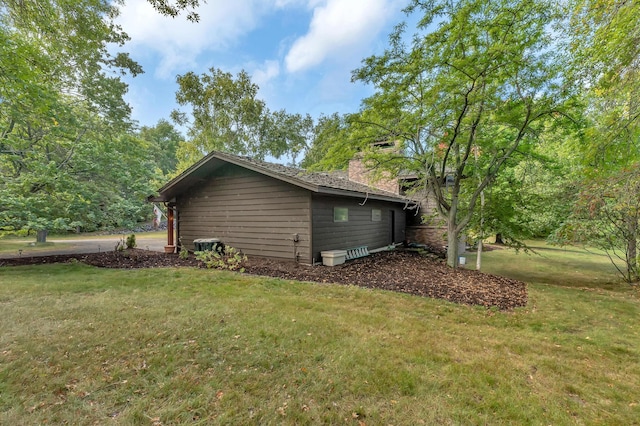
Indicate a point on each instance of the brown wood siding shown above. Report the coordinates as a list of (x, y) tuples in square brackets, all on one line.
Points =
[(428, 210), (360, 229), (249, 211)]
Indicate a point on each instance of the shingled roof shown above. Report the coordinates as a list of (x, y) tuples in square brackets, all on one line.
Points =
[(320, 182)]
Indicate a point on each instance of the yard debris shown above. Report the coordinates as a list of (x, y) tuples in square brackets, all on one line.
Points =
[(406, 272), (400, 271)]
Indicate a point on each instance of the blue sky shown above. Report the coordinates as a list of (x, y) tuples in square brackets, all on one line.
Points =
[(300, 52)]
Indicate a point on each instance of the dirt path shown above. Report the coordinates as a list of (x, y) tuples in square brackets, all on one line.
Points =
[(152, 242)]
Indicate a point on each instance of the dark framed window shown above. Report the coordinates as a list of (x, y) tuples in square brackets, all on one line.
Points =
[(340, 214)]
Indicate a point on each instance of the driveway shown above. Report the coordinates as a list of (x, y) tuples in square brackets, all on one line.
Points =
[(151, 241)]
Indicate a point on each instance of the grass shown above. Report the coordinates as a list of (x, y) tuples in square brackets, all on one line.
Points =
[(571, 266), (81, 345)]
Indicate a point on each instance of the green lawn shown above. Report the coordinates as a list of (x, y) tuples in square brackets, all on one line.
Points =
[(571, 266), (81, 345)]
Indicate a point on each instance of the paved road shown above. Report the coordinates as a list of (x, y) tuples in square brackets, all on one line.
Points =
[(89, 245)]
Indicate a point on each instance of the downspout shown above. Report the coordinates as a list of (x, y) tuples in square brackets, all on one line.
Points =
[(295, 238)]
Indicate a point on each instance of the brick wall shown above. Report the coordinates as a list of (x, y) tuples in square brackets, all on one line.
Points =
[(433, 236), (358, 172), (427, 234)]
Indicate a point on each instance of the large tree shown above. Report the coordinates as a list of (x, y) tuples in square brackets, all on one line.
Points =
[(330, 147), (68, 157), (604, 42), (164, 140), (227, 115), (476, 77), (74, 173)]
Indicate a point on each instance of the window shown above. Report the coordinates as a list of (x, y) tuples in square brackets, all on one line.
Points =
[(340, 214), (376, 215)]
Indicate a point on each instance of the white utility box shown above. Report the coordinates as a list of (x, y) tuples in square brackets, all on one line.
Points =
[(333, 257)]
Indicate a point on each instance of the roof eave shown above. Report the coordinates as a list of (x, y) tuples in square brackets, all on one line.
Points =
[(173, 182), (165, 193), (355, 194)]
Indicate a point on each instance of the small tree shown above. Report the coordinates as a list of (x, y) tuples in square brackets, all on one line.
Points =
[(606, 217)]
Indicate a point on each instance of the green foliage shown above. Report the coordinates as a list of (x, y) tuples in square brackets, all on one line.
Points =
[(231, 259), (226, 112), (603, 37), (607, 216), (175, 8), (228, 116), (163, 141), (332, 144), (128, 243), (605, 54), (530, 198), (131, 241), (76, 178), (68, 159), (474, 88), (183, 253), (120, 244), (64, 46), (286, 135)]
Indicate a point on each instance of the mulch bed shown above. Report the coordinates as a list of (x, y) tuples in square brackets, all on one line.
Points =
[(400, 271)]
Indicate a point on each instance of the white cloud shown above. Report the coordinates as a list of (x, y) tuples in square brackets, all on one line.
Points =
[(266, 72), (281, 4), (177, 41), (338, 29)]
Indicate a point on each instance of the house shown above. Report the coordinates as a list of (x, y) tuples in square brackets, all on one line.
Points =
[(271, 210), (423, 225)]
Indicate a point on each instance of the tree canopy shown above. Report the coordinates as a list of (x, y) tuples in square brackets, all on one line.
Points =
[(164, 140), (603, 42), (175, 8), (472, 88), (69, 155), (227, 115)]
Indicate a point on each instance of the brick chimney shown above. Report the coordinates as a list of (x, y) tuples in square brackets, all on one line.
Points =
[(359, 172)]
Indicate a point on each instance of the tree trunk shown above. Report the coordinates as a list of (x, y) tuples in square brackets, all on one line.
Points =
[(499, 239), (632, 248), (41, 236), (479, 257), (452, 234), (452, 245)]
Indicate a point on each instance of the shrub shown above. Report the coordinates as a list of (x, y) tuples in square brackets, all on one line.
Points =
[(232, 259), (131, 241), (184, 253)]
